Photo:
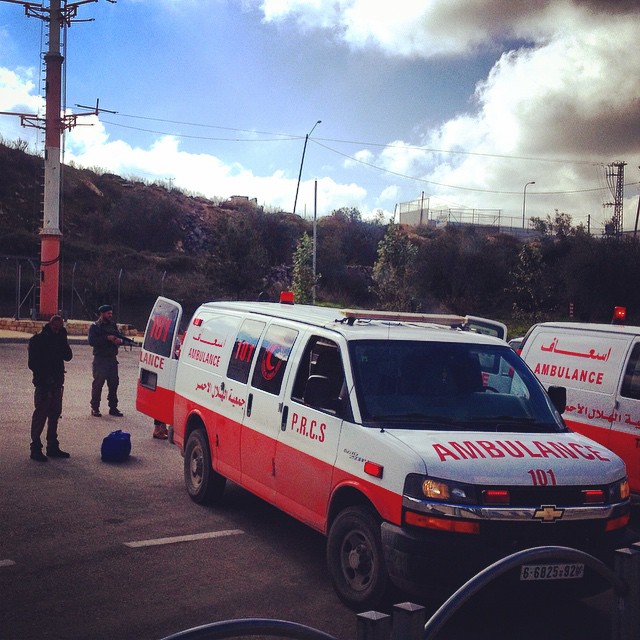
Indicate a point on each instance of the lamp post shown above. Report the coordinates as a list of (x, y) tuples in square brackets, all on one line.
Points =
[(306, 139), (524, 199)]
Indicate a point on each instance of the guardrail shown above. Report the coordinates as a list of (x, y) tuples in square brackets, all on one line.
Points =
[(408, 621), (251, 627)]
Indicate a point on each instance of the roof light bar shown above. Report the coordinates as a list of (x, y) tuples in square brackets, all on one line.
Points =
[(394, 316)]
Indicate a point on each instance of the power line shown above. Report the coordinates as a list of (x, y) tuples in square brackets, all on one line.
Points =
[(194, 137), (450, 186), (290, 136)]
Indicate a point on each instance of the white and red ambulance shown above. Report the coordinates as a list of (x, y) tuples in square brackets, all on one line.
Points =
[(599, 365), (422, 447)]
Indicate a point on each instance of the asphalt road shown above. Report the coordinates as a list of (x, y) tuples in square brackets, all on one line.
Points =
[(84, 551)]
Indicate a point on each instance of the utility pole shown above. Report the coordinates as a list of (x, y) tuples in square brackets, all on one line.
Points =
[(304, 149), (615, 181), (54, 123)]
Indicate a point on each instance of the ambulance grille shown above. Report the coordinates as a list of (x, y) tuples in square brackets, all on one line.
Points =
[(558, 496)]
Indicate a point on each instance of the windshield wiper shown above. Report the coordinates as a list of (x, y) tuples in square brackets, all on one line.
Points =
[(523, 424), (503, 419), (413, 420), (411, 416)]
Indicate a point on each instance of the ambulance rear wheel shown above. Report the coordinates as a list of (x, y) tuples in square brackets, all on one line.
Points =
[(355, 559), (204, 485)]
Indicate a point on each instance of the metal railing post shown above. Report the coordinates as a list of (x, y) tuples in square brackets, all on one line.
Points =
[(372, 625), (408, 621), (625, 617)]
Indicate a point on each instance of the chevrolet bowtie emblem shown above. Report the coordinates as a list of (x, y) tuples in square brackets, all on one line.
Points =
[(548, 513)]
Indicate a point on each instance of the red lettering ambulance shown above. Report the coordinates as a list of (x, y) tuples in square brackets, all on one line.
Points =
[(599, 365), (422, 447)]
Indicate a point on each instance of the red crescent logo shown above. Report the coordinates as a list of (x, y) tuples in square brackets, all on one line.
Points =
[(270, 368)]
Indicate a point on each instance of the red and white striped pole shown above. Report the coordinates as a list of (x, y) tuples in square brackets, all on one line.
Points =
[(50, 234)]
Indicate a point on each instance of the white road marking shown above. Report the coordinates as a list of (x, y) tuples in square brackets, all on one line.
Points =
[(188, 538), (6, 563)]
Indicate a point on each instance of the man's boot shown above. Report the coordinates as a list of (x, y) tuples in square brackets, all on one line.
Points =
[(36, 454), (54, 451)]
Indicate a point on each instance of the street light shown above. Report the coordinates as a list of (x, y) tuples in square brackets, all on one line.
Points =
[(524, 199), (306, 139)]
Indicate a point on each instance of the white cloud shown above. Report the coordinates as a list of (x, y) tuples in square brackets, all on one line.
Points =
[(203, 173), (389, 195), (427, 28), (17, 96), (571, 93), (573, 98)]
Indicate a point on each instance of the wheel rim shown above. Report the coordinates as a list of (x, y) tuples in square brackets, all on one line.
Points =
[(196, 467), (357, 560)]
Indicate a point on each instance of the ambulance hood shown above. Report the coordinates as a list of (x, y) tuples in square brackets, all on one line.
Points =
[(512, 458)]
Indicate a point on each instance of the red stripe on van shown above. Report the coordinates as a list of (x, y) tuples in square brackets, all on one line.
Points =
[(302, 485)]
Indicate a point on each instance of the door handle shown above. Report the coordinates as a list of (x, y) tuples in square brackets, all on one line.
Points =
[(283, 421), (249, 403)]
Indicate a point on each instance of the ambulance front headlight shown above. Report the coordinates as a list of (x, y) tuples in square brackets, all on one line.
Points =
[(436, 489)]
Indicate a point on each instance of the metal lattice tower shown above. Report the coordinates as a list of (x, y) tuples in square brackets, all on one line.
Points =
[(615, 181)]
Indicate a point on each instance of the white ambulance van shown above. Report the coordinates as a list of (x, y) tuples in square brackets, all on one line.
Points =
[(599, 365), (423, 448)]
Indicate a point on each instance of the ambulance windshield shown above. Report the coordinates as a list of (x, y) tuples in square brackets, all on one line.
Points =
[(444, 385)]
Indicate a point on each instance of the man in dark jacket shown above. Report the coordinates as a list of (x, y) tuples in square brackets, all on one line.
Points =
[(48, 351), (105, 339)]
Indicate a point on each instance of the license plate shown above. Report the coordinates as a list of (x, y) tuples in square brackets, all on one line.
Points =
[(560, 571)]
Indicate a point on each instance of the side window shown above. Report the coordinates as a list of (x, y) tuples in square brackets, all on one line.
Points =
[(244, 350), (631, 380), (272, 359), (320, 378)]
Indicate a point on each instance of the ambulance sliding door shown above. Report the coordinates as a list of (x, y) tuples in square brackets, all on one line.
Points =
[(159, 361), (263, 409)]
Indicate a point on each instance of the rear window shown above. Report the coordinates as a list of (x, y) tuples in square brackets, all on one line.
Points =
[(161, 329)]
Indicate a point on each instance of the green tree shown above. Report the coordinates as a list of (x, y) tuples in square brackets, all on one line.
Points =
[(464, 271), (303, 278), (237, 262), (532, 293), (394, 270), (559, 226)]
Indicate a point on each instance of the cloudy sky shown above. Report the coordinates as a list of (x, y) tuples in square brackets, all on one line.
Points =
[(462, 102)]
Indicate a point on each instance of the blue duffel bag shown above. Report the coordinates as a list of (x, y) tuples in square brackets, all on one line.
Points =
[(116, 447)]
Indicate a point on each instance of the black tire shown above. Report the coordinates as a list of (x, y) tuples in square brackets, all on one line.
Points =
[(204, 485), (355, 559)]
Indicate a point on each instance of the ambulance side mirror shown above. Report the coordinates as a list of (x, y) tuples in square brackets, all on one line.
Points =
[(558, 397)]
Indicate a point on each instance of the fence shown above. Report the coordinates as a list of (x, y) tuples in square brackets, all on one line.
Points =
[(418, 212), (408, 621)]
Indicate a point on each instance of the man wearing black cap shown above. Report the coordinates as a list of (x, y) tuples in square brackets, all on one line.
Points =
[(48, 351), (105, 340)]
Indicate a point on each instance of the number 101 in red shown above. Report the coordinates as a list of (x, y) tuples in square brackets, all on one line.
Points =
[(244, 351), (542, 478)]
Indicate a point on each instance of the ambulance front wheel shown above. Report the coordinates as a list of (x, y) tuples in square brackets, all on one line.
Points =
[(204, 485), (355, 559)]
